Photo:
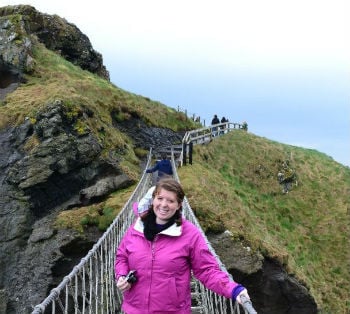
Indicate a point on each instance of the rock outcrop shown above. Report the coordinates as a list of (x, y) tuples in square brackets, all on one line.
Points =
[(44, 167), (272, 289), (21, 25)]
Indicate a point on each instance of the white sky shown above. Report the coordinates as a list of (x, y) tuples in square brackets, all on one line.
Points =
[(143, 41), (269, 32)]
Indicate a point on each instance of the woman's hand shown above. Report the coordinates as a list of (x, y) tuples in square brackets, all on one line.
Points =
[(122, 284), (244, 299), (243, 293)]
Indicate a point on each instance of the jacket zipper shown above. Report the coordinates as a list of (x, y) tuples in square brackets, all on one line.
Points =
[(152, 261)]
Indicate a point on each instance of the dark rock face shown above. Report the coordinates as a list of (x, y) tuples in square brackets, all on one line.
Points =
[(147, 136), (280, 292), (9, 75), (18, 25), (39, 262), (61, 165), (15, 55), (271, 288), (35, 184), (15, 47)]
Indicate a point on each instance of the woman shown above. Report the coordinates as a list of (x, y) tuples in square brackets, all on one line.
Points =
[(163, 248)]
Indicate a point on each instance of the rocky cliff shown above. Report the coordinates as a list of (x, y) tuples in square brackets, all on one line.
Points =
[(20, 25)]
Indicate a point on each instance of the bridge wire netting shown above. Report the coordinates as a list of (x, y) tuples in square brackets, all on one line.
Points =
[(90, 287)]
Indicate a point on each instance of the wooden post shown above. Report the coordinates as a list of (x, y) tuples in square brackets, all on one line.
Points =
[(184, 157), (190, 153)]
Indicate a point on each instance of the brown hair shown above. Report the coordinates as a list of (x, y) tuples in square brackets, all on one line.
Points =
[(171, 185)]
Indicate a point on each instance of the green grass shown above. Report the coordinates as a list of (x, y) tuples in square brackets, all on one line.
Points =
[(234, 180), (100, 215), (55, 78)]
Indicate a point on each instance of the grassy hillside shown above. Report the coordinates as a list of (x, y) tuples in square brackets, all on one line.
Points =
[(233, 185), (91, 103), (55, 78)]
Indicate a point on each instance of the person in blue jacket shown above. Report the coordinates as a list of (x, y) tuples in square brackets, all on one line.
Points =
[(163, 167)]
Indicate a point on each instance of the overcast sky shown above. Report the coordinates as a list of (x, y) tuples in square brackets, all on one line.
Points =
[(282, 66)]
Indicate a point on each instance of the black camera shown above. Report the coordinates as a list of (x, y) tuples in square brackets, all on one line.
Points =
[(131, 277)]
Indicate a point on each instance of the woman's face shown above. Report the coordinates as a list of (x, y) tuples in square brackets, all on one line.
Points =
[(165, 205)]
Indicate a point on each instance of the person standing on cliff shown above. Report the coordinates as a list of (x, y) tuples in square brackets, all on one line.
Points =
[(214, 121), (224, 126)]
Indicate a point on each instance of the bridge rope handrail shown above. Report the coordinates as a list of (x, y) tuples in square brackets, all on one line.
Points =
[(90, 286)]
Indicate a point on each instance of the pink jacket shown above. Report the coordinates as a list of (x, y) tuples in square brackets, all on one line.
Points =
[(163, 269)]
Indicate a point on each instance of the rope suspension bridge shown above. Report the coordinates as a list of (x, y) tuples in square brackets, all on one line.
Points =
[(90, 287)]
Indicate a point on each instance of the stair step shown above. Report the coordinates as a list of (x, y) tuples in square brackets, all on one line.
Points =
[(197, 310)]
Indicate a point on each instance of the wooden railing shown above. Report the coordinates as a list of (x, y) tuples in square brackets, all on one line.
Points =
[(205, 134)]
